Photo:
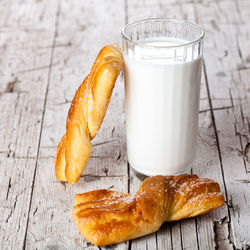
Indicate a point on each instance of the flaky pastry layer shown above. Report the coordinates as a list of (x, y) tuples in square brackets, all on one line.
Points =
[(86, 114), (106, 217)]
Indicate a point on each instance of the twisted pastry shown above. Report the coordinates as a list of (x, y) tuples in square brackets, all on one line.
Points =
[(106, 217), (86, 114)]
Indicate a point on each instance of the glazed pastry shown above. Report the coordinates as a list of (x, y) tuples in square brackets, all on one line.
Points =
[(106, 217), (86, 114)]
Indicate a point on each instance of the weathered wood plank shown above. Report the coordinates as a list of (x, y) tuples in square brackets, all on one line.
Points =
[(14, 200), (193, 233), (24, 78), (229, 94), (208, 165), (236, 179), (83, 29)]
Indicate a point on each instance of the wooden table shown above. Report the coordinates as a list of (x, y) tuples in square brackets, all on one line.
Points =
[(47, 47)]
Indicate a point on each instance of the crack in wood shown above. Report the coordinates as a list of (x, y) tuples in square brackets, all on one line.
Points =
[(105, 142), (68, 44), (11, 85), (221, 240), (14, 206), (63, 184), (110, 187), (38, 68), (119, 155), (105, 170), (241, 114), (232, 149), (35, 211), (244, 195), (247, 152), (221, 108), (12, 209), (246, 181), (197, 235), (18, 123), (10, 153), (205, 142), (242, 151), (91, 178), (128, 174), (100, 157), (156, 240), (17, 101), (181, 235), (9, 186), (231, 98), (239, 51), (7, 220), (130, 245), (19, 226), (101, 176), (171, 236), (112, 131), (63, 103), (51, 216)]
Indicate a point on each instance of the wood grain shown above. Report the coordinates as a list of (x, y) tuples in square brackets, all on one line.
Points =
[(47, 48), (25, 67), (229, 98)]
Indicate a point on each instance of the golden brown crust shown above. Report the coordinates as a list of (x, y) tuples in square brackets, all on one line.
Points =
[(60, 160), (106, 217), (86, 114)]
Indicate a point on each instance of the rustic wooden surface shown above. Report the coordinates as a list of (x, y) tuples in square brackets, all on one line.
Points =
[(46, 49)]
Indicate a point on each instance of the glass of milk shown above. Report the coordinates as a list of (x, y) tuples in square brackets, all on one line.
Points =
[(163, 61)]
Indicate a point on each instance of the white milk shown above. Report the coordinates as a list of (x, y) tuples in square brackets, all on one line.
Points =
[(162, 103)]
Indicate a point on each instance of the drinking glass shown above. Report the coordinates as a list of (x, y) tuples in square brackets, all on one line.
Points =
[(163, 61)]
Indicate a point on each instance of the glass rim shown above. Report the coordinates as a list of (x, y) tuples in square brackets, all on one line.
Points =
[(141, 44)]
